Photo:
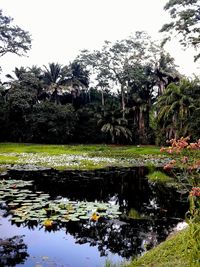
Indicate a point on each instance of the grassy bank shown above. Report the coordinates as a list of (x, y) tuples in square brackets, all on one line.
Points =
[(78, 156), (182, 249)]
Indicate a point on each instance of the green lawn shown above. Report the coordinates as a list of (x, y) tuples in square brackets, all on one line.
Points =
[(78, 149)]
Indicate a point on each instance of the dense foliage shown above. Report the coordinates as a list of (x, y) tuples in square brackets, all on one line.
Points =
[(127, 92), (57, 105), (184, 22), (12, 38)]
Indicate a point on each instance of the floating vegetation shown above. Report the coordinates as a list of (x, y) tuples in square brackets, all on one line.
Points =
[(27, 206)]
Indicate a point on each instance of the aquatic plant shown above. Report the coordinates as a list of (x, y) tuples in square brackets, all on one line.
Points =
[(27, 206)]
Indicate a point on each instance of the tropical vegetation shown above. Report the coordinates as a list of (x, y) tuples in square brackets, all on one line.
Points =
[(128, 92)]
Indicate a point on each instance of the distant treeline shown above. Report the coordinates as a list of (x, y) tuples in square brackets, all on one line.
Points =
[(129, 92)]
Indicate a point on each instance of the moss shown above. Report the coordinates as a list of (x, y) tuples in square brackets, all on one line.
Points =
[(182, 249)]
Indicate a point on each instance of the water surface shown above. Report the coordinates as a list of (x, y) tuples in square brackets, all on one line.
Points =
[(149, 212)]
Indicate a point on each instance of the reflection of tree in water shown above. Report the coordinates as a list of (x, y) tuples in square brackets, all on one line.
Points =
[(153, 208), (125, 239), (12, 251)]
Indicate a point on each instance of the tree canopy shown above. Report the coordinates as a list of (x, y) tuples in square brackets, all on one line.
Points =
[(128, 91), (185, 15), (13, 39)]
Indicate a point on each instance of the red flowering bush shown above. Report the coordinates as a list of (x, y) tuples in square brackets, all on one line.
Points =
[(186, 160), (195, 192)]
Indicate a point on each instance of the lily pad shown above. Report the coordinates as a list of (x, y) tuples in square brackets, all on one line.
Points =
[(19, 220), (74, 219), (84, 217)]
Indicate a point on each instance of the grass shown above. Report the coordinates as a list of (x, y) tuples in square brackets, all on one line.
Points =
[(91, 156), (78, 149), (160, 177), (182, 249), (5, 159)]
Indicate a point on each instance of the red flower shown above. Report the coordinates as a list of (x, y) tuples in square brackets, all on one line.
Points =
[(167, 167), (184, 159), (195, 192), (162, 149), (172, 162)]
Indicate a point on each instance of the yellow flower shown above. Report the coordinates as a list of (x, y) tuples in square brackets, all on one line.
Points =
[(48, 223), (95, 217)]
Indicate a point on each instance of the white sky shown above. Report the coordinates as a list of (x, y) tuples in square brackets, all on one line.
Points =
[(60, 29)]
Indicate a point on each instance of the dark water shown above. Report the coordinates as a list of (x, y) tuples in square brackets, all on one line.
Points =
[(149, 212)]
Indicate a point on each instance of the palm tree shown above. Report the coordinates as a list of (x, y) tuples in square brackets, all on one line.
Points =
[(79, 75), (175, 107), (52, 73), (77, 80), (114, 126), (36, 78), (141, 82), (165, 72), (53, 78), (19, 72)]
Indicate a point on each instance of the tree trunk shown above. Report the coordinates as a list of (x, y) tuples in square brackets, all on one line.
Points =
[(141, 127), (123, 101), (102, 97), (161, 88)]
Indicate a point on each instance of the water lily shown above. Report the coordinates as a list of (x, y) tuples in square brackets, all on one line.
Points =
[(95, 217), (48, 223)]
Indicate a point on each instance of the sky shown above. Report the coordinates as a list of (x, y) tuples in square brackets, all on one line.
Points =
[(60, 29)]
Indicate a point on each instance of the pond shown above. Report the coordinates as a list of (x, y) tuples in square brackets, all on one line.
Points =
[(80, 218)]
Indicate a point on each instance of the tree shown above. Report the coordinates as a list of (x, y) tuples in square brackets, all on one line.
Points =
[(133, 67), (165, 72), (13, 251), (77, 80), (53, 78), (175, 107), (185, 15), (12, 38), (114, 61), (78, 75), (86, 130), (114, 126), (18, 110), (51, 123), (27, 78)]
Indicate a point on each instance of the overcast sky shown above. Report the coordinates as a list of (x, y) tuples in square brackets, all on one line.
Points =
[(60, 29)]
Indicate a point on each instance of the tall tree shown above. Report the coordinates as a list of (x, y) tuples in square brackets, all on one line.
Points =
[(12, 38), (165, 72), (185, 15), (114, 126), (53, 78), (134, 67), (29, 79), (114, 61), (175, 108), (77, 79)]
